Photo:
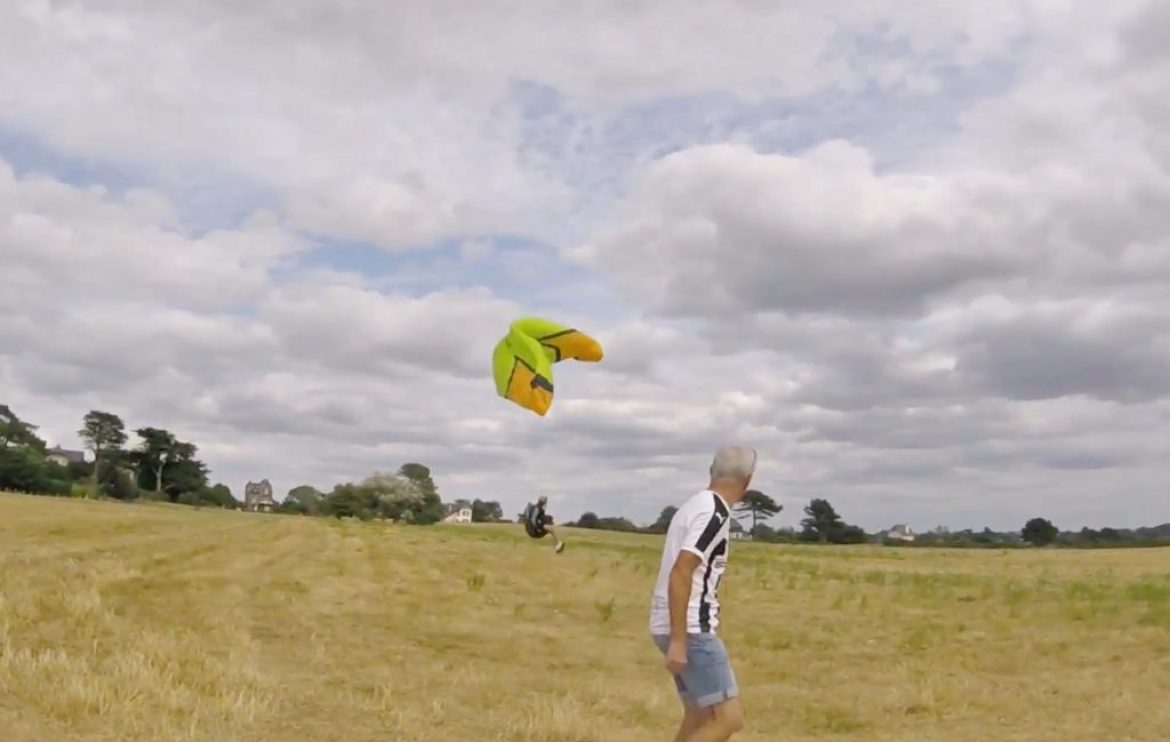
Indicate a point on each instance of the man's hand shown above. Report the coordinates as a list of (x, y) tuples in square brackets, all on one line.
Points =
[(679, 593), (676, 657)]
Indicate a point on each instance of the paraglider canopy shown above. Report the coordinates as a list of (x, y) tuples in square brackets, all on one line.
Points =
[(522, 360)]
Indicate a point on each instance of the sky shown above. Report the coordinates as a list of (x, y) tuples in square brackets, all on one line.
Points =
[(917, 254)]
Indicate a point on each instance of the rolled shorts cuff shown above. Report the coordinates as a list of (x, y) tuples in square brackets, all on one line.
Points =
[(712, 699)]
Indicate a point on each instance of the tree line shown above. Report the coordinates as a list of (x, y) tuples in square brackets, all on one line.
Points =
[(156, 464), (1042, 532), (408, 495), (822, 524)]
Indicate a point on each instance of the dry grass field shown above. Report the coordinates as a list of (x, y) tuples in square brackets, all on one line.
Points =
[(163, 624)]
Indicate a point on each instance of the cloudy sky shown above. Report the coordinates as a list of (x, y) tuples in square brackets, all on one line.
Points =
[(918, 253)]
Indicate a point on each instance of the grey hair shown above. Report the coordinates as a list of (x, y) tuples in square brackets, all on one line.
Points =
[(733, 462)]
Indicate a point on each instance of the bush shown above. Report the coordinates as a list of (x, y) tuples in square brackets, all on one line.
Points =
[(24, 469)]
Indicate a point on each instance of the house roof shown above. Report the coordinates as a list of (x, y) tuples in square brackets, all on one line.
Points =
[(67, 453)]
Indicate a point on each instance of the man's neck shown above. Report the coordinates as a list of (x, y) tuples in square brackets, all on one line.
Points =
[(730, 495)]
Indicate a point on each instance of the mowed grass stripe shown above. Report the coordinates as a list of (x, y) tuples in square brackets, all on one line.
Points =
[(160, 622)]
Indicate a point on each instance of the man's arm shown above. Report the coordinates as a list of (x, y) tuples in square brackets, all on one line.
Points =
[(679, 593)]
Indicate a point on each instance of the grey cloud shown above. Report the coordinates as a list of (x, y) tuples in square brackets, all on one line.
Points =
[(348, 327), (1085, 459), (118, 346), (866, 377), (638, 348), (896, 427), (981, 439), (1146, 35), (843, 363), (1123, 356)]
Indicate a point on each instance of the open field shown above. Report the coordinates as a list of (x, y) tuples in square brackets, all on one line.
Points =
[(161, 623)]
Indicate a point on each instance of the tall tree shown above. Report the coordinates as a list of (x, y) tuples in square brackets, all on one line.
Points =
[(17, 432), (184, 472), (589, 519), (1039, 531), (350, 500), (759, 506), (303, 499), (156, 449), (420, 475), (822, 522), (486, 511), (220, 495), (662, 525), (849, 534), (304, 492), (432, 507), (616, 523), (396, 496), (102, 432)]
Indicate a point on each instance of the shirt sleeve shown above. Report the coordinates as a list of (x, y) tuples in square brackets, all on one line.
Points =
[(702, 531)]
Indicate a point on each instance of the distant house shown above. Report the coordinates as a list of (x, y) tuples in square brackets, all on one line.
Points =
[(457, 514), (258, 496), (64, 456), (901, 532), (737, 530)]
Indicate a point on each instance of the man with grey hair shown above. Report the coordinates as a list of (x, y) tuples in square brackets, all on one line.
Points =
[(685, 608)]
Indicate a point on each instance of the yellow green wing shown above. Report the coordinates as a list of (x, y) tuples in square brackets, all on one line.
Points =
[(522, 360)]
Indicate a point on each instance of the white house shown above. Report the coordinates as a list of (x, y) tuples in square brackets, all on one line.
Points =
[(460, 514), (64, 456), (737, 530), (901, 532)]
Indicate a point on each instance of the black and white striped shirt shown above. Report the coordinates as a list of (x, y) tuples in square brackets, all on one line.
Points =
[(701, 526)]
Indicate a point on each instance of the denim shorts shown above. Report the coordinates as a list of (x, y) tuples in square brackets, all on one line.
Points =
[(707, 679)]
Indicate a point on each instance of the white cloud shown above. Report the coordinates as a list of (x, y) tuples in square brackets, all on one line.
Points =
[(347, 327), (974, 335), (724, 230), (389, 121), (88, 240)]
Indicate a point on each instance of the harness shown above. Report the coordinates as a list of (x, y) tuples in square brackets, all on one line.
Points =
[(534, 521)]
